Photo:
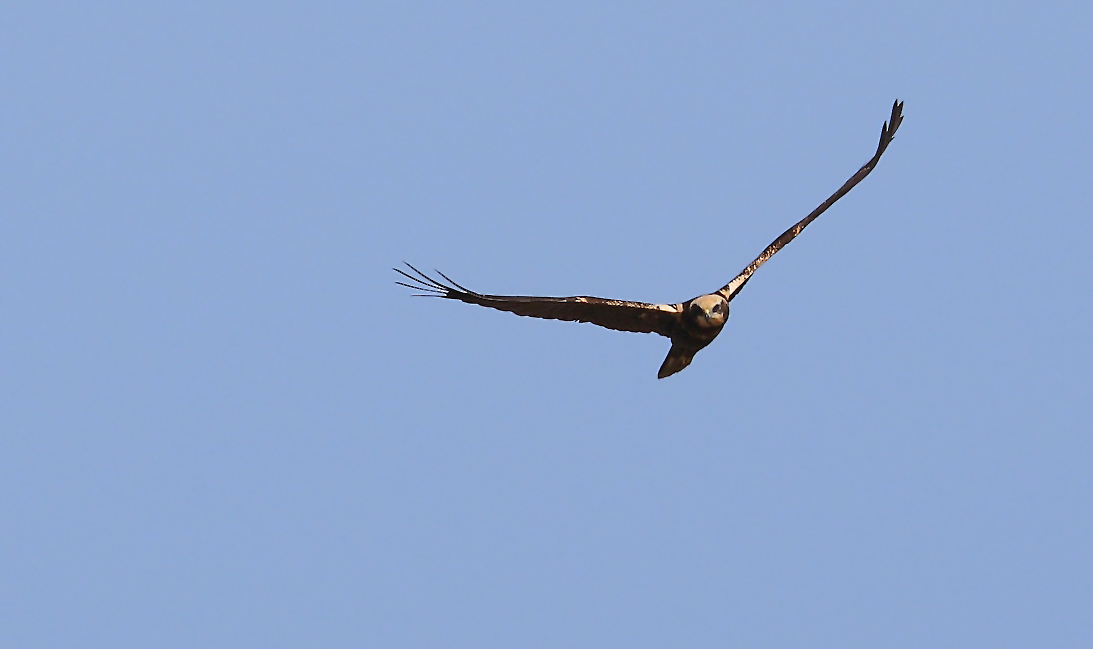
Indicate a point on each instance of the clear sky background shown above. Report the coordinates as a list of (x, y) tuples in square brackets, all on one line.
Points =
[(224, 425)]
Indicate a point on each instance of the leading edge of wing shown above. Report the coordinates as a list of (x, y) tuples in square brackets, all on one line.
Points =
[(620, 315), (887, 134)]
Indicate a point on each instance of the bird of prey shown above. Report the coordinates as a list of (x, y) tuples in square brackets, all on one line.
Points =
[(690, 325)]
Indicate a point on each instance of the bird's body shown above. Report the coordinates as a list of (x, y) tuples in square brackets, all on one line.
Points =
[(690, 325)]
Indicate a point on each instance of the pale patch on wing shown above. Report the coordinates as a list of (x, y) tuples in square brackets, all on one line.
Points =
[(732, 288), (666, 308)]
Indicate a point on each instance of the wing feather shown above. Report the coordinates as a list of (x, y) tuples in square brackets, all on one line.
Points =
[(620, 315), (888, 131)]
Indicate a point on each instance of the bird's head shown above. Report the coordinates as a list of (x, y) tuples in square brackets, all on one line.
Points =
[(709, 310)]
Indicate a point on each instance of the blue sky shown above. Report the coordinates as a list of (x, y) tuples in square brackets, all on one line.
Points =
[(224, 425)]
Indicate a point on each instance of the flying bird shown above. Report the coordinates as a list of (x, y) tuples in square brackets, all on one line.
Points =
[(690, 325)]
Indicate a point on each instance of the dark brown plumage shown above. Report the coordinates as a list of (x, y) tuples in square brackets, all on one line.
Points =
[(690, 325)]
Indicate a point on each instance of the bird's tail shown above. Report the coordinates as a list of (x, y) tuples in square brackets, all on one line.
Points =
[(678, 358)]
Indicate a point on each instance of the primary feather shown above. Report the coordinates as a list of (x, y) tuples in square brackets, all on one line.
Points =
[(620, 315)]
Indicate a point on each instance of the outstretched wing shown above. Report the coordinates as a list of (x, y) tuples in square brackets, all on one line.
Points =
[(619, 315), (887, 132)]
